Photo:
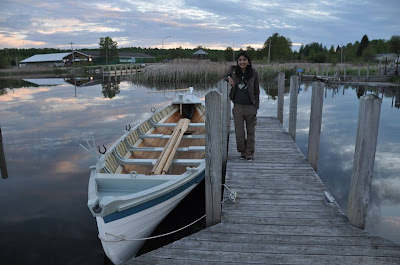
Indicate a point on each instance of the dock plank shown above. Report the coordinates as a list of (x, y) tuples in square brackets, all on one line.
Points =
[(280, 216)]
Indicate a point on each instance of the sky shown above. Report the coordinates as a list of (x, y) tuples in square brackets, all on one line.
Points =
[(213, 24)]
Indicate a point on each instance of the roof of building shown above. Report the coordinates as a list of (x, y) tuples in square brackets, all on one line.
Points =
[(50, 57), (200, 52)]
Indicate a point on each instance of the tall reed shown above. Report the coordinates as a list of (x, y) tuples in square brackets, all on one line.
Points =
[(183, 70)]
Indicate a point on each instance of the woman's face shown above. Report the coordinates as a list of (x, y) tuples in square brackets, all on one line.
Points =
[(243, 62)]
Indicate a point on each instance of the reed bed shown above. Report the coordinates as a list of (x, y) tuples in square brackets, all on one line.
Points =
[(183, 71), (269, 72), (207, 72)]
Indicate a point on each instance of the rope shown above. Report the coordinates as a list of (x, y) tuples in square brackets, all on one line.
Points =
[(232, 195), (123, 238)]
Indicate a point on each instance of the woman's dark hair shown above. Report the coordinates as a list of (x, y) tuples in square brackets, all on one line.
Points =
[(249, 69)]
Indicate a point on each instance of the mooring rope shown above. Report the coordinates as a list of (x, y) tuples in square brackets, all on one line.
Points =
[(122, 238), (232, 194)]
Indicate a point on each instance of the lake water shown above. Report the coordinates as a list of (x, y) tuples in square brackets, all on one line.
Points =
[(44, 217)]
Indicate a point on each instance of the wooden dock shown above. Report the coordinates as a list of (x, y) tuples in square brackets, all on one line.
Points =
[(281, 216)]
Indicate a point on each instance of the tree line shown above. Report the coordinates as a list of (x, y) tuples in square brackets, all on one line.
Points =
[(276, 48)]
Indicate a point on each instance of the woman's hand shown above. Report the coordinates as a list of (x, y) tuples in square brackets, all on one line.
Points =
[(231, 81)]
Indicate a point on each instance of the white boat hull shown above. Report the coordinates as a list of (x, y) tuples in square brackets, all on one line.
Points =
[(122, 238), (144, 175)]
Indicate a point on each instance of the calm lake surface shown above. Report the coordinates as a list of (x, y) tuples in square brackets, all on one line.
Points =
[(44, 218)]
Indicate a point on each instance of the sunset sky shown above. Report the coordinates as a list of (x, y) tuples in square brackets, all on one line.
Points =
[(190, 23)]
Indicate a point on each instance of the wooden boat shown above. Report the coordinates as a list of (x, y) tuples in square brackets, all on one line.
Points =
[(145, 174)]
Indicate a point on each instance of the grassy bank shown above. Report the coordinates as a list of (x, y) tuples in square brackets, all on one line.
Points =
[(17, 72)]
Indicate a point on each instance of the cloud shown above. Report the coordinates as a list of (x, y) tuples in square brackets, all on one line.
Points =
[(191, 23)]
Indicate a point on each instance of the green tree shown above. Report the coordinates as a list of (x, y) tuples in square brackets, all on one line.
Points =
[(108, 49), (280, 48), (394, 44), (380, 46), (3, 60), (368, 53), (314, 52), (350, 52), (251, 52), (177, 53), (228, 54), (363, 45)]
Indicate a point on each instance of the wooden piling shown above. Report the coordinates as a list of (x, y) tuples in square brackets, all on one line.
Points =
[(317, 100), (213, 170), (281, 93), (294, 84), (3, 165), (223, 87), (364, 157)]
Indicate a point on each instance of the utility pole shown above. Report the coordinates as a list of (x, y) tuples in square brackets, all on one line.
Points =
[(73, 63), (341, 54), (269, 49), (73, 57)]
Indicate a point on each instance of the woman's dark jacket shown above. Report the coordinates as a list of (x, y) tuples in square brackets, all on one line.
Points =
[(253, 86)]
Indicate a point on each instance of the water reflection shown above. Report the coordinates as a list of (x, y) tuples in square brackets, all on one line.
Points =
[(110, 89), (338, 135), (43, 202)]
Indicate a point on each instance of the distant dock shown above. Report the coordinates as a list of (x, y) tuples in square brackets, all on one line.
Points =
[(121, 70)]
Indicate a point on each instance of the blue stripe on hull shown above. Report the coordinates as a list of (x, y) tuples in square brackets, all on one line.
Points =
[(149, 204)]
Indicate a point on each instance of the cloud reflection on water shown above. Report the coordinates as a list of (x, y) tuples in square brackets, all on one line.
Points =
[(47, 188)]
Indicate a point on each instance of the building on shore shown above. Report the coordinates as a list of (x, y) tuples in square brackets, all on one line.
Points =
[(56, 59), (200, 54), (123, 57)]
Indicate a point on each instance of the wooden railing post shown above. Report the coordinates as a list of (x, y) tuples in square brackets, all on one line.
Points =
[(294, 84), (364, 157), (3, 165), (223, 89), (317, 100), (281, 93), (213, 170)]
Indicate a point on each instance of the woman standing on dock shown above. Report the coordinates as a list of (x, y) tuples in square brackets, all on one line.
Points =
[(245, 94)]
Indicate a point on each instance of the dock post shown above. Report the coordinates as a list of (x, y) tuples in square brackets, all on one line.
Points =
[(364, 157), (294, 84), (281, 93), (3, 165), (344, 73), (317, 100), (223, 89), (213, 170)]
